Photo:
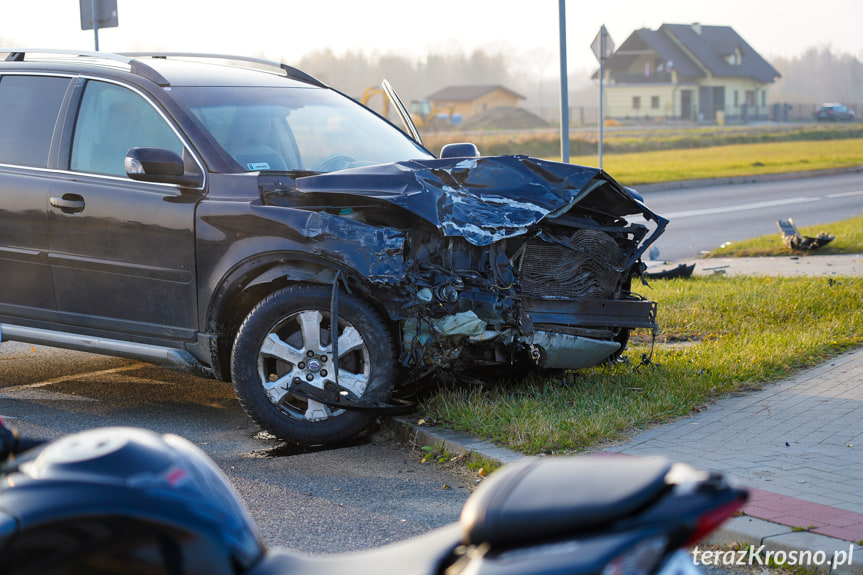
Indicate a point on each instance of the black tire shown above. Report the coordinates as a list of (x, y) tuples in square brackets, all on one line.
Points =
[(286, 323)]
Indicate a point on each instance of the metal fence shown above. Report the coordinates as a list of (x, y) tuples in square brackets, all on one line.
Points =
[(578, 115), (778, 112)]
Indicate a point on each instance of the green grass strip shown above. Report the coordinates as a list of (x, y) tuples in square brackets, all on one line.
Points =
[(848, 240), (729, 161)]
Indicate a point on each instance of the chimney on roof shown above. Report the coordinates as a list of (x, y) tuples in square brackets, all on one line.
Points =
[(696, 27)]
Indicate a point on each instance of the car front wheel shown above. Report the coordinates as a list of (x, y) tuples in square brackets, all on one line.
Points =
[(283, 350)]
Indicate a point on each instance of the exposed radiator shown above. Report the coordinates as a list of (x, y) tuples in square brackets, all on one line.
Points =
[(587, 270)]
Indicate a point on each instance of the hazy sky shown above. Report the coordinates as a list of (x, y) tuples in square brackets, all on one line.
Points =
[(288, 29)]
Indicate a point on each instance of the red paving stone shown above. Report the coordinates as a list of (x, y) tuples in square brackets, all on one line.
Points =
[(795, 512), (852, 533)]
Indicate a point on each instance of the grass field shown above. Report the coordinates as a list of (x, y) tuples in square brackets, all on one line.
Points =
[(729, 161), (642, 138), (677, 154)]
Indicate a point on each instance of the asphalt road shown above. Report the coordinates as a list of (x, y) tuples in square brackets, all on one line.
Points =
[(357, 496), (703, 218)]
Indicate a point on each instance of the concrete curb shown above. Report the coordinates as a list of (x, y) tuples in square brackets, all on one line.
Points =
[(455, 442), (743, 530), (779, 538), (683, 184)]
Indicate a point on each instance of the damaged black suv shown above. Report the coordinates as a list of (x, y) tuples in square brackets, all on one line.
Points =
[(242, 221)]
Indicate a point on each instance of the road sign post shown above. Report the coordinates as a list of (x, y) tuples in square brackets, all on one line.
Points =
[(603, 47)]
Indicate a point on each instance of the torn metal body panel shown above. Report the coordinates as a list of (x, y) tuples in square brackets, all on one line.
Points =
[(480, 260)]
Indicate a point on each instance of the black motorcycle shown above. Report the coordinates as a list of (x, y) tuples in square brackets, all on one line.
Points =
[(131, 501)]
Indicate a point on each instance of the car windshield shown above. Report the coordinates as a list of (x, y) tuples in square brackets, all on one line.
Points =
[(302, 129)]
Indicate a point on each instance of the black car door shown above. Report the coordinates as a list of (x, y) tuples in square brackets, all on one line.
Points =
[(29, 108), (122, 252)]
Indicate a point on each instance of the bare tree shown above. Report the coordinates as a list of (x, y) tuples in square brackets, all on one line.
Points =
[(414, 79)]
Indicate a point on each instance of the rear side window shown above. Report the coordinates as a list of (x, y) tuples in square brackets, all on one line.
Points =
[(112, 120), (29, 106)]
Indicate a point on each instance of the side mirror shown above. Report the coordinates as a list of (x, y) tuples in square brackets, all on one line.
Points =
[(460, 150), (160, 166)]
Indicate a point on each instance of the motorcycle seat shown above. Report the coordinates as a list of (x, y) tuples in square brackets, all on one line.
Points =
[(541, 499), (423, 555)]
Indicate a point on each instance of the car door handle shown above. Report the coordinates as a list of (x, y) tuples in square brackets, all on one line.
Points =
[(69, 203)]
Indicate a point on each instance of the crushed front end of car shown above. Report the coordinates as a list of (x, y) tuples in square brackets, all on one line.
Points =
[(489, 261)]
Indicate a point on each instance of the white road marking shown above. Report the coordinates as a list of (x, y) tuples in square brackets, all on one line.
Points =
[(44, 395), (738, 208), (29, 390), (846, 194)]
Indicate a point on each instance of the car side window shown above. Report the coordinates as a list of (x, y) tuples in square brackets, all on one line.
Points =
[(29, 106), (111, 120)]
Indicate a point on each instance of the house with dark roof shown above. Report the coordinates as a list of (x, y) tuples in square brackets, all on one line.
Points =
[(472, 100), (687, 71)]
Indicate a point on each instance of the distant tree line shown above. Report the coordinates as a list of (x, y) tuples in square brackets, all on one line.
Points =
[(818, 75), (815, 76), (413, 79)]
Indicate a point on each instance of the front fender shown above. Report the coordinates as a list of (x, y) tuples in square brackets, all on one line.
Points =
[(232, 234)]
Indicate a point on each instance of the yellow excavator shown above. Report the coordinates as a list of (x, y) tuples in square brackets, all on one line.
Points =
[(423, 113), (371, 92)]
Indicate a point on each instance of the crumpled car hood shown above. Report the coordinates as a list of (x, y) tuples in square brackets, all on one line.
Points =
[(481, 199)]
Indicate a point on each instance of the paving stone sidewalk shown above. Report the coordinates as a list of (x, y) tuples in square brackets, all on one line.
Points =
[(798, 444)]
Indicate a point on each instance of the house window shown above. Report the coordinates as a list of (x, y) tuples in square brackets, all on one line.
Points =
[(736, 99), (654, 102), (735, 59), (636, 102), (763, 98), (750, 97)]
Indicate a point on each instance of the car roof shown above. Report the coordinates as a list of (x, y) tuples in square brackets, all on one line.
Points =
[(163, 68)]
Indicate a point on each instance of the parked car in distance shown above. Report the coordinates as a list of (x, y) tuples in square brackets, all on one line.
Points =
[(835, 113), (238, 219)]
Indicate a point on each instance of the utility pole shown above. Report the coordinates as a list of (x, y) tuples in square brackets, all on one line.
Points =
[(564, 88)]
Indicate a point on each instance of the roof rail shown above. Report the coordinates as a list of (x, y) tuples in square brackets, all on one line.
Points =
[(289, 71), (135, 66)]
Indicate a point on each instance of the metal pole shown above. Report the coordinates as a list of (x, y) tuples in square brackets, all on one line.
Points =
[(96, 23), (564, 89), (601, 98)]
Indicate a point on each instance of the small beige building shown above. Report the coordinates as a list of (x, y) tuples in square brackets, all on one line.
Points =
[(472, 100), (688, 72)]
